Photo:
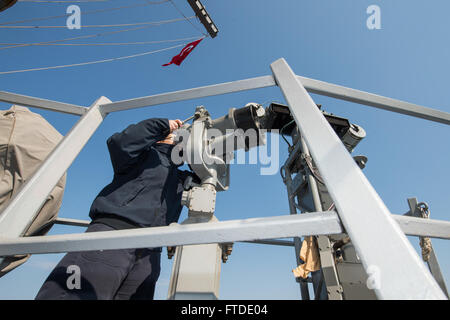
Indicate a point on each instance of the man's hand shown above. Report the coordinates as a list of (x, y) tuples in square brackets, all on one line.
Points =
[(175, 124)]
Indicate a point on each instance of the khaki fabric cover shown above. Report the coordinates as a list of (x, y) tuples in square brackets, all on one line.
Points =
[(309, 253), (26, 139)]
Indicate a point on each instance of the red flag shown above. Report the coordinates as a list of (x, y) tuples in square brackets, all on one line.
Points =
[(178, 59)]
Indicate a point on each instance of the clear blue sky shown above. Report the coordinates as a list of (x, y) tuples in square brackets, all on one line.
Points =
[(328, 40)]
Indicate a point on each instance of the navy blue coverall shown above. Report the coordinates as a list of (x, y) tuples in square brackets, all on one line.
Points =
[(145, 192)]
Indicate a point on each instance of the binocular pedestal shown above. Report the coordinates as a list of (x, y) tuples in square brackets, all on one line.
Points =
[(196, 269)]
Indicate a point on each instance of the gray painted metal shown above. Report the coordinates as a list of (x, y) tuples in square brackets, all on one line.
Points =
[(354, 282), (332, 284), (64, 154), (42, 103), (433, 263), (189, 278), (284, 243), (336, 288), (411, 226), (435, 270), (312, 85), (373, 100), (332, 287), (304, 291), (174, 235), (85, 223), (200, 92), (420, 227), (72, 222), (18, 215), (362, 212)]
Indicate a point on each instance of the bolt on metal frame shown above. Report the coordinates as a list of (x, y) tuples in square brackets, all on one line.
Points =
[(361, 211)]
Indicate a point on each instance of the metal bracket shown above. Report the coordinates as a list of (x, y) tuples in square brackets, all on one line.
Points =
[(433, 264), (199, 200), (334, 289)]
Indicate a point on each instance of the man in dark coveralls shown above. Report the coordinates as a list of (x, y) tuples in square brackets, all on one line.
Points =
[(145, 192)]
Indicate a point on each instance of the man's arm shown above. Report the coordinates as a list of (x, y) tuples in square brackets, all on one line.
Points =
[(125, 147)]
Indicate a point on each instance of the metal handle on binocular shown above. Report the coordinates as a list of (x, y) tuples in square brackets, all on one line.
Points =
[(186, 120)]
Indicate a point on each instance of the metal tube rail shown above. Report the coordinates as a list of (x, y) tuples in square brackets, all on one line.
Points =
[(419, 227), (85, 223), (373, 100), (42, 103), (200, 92), (283, 243), (411, 226), (311, 85), (176, 234)]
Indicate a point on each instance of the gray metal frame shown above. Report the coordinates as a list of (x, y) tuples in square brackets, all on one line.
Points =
[(23, 207), (177, 234), (363, 214), (411, 226), (42, 103)]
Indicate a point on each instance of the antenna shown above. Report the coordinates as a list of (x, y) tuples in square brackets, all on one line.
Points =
[(5, 4), (205, 19)]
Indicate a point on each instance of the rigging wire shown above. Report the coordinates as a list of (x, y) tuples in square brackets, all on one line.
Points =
[(181, 12), (54, 42), (92, 62), (282, 129), (92, 35), (65, 1), (91, 26), (87, 12), (107, 43)]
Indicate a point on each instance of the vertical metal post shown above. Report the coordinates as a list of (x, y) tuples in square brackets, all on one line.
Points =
[(297, 241), (196, 273), (196, 268), (22, 209), (391, 261), (331, 287), (435, 269)]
